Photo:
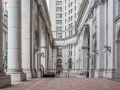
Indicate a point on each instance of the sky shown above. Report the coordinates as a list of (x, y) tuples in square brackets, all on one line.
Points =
[(48, 4)]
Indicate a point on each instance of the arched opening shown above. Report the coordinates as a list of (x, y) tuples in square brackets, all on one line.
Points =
[(70, 64), (85, 48), (118, 52), (59, 65)]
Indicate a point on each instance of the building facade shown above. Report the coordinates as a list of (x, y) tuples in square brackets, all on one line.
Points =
[(98, 32)]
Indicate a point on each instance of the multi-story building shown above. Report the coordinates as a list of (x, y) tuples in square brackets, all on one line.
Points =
[(63, 14)]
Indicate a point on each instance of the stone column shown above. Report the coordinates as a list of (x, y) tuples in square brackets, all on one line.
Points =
[(43, 44), (100, 40), (111, 71), (14, 41), (91, 70), (5, 80), (26, 28)]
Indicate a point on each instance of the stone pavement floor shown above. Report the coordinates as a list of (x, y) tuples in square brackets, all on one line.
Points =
[(66, 83)]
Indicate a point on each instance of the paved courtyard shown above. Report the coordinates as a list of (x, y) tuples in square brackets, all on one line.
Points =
[(62, 83)]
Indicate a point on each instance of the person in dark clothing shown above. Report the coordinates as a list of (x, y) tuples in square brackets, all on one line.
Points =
[(59, 72)]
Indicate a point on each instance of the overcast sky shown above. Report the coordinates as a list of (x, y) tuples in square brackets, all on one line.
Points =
[(48, 3)]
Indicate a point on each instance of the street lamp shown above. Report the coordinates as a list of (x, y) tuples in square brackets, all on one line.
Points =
[(94, 52), (106, 49), (36, 50), (88, 55)]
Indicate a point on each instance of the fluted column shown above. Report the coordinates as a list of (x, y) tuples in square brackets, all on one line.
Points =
[(14, 41), (4, 79), (43, 45), (100, 40), (26, 27)]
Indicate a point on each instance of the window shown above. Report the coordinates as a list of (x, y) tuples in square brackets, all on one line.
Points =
[(57, 53), (75, 22), (60, 2), (57, 9), (57, 21), (60, 15), (57, 2), (71, 32), (61, 9), (65, 1), (71, 4), (57, 35), (65, 27), (60, 22), (71, 18), (57, 28), (57, 15), (71, 24), (65, 20), (71, 10), (75, 1), (71, 53), (60, 35), (60, 28), (75, 15), (75, 8), (65, 14), (65, 34)]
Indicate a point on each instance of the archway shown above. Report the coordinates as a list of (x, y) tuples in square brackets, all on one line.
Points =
[(118, 52), (70, 64), (59, 65), (85, 48)]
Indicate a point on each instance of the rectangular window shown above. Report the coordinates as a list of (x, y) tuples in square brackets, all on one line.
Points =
[(60, 28), (71, 18), (65, 27), (60, 35), (57, 35), (60, 22), (57, 9), (57, 28), (61, 9), (57, 21), (71, 46), (57, 15), (71, 10), (75, 15), (71, 53), (65, 34), (75, 8), (69, 33), (57, 2), (69, 5), (65, 14), (57, 53), (65, 7), (60, 15), (75, 1), (60, 2), (65, 1), (71, 25)]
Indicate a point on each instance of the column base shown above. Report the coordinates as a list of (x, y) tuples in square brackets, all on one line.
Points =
[(28, 75), (91, 73), (38, 74), (5, 81), (17, 77), (99, 73), (111, 74)]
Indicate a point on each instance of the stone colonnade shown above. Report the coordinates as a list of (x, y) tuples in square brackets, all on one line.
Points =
[(102, 17), (28, 31)]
